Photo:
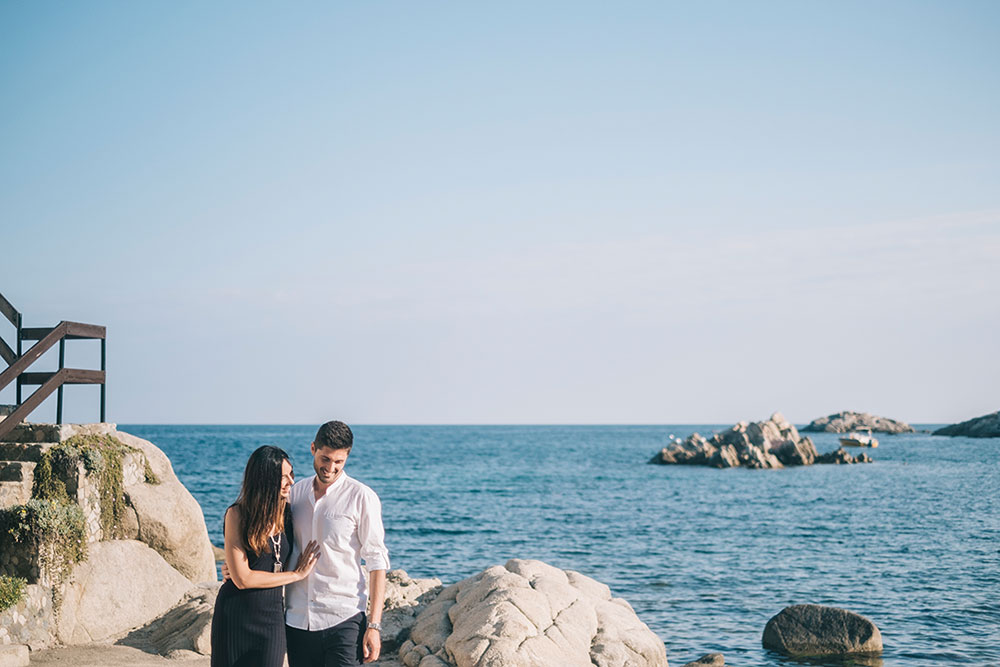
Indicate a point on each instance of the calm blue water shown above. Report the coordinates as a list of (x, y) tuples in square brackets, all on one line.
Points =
[(704, 556)]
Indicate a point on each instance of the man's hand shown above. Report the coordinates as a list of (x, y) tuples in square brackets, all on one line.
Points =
[(372, 644)]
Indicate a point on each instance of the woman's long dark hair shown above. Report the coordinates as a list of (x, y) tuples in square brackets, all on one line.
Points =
[(260, 500)]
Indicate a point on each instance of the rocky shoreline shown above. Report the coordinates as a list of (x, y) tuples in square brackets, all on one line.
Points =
[(88, 607), (987, 426)]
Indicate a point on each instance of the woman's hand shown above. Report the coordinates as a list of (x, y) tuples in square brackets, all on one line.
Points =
[(307, 560)]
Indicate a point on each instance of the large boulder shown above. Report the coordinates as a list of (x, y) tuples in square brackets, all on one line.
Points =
[(843, 422), (123, 584), (809, 630), (987, 426), (169, 519), (773, 443), (842, 456), (528, 613)]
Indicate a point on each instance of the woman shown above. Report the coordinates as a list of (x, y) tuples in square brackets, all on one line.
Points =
[(248, 626)]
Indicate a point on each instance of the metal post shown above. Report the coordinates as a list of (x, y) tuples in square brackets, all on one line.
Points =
[(19, 353), (104, 356), (59, 392)]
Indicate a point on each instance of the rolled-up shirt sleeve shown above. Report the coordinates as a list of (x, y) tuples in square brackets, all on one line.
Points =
[(371, 533)]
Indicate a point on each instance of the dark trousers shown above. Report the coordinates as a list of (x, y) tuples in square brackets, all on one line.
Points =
[(339, 646)]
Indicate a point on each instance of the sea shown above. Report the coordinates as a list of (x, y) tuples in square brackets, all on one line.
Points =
[(704, 556)]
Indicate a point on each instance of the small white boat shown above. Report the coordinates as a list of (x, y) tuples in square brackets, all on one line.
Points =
[(865, 439)]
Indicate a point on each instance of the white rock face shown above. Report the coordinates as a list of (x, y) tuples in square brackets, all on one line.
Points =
[(170, 519), (405, 598), (528, 613), (123, 584)]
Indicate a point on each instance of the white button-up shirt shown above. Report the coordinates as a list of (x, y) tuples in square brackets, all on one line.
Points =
[(347, 524)]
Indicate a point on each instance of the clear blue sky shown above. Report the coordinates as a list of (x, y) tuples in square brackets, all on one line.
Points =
[(509, 212)]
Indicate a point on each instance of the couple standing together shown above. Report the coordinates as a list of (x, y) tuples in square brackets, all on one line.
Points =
[(315, 609)]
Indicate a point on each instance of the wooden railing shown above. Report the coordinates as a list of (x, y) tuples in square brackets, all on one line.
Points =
[(19, 362)]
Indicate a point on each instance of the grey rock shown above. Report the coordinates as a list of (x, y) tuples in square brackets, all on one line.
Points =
[(405, 598), (987, 426), (843, 422), (529, 613), (773, 443), (708, 660), (808, 630), (842, 456), (169, 519), (184, 631), (121, 585)]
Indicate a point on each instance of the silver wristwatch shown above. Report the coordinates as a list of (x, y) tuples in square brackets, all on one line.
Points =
[(375, 626)]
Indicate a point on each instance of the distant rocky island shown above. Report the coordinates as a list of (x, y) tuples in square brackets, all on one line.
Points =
[(843, 422), (987, 426), (774, 443)]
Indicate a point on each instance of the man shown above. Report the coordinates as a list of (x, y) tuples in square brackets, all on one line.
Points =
[(325, 617)]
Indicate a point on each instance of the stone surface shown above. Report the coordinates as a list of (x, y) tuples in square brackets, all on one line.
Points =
[(987, 426), (169, 519), (708, 660), (529, 613), (43, 433), (842, 456), (186, 628), (809, 630), (769, 444), (30, 621), (843, 422), (122, 585), (14, 655), (405, 598)]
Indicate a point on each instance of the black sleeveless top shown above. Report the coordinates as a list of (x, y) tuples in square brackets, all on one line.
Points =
[(248, 626)]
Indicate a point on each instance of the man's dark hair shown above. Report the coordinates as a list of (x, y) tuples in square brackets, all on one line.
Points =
[(335, 435)]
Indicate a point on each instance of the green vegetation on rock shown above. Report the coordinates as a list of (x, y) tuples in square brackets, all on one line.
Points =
[(101, 457), (55, 530), (11, 591)]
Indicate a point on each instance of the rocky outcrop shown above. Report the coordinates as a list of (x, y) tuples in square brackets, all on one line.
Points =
[(708, 660), (842, 456), (769, 444), (809, 630), (843, 422), (168, 517), (530, 613), (405, 598), (121, 585), (184, 631), (987, 426)]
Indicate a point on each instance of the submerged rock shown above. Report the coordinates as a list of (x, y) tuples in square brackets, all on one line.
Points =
[(807, 630), (987, 426), (708, 660), (530, 613), (774, 443), (843, 422)]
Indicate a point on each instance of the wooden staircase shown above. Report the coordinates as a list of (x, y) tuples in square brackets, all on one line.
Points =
[(18, 363)]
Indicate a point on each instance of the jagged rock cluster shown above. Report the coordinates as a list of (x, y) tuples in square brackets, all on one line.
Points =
[(844, 422), (987, 426), (769, 444)]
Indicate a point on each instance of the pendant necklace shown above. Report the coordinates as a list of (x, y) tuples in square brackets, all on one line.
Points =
[(276, 543)]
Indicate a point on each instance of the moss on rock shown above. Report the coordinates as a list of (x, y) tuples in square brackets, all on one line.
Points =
[(102, 457), (11, 591), (54, 530)]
